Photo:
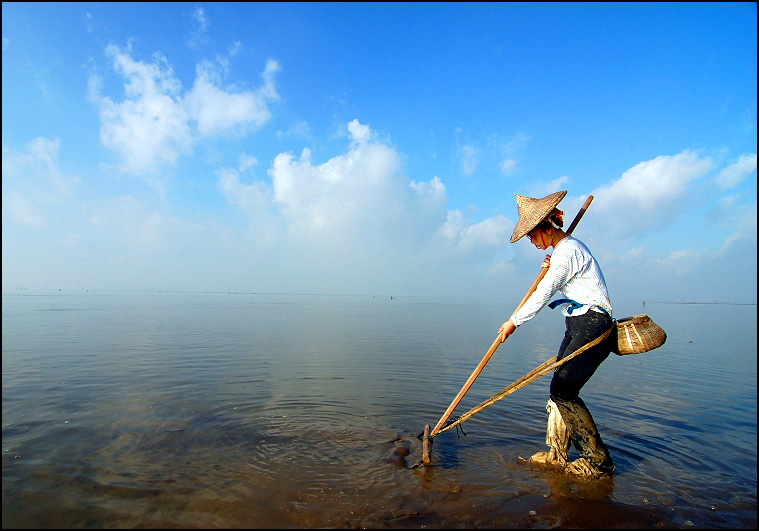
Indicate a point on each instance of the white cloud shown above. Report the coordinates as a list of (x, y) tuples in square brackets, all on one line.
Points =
[(41, 156), (22, 210), (543, 189), (234, 48), (508, 166), (670, 194), (454, 226), (350, 192), (736, 217), (361, 198), (129, 225), (488, 235), (359, 133), (356, 220), (156, 123), (509, 148), (268, 89), (300, 129), (680, 262), (651, 194), (217, 110), (33, 181), (150, 127), (515, 143), (247, 196), (200, 18), (736, 172), (200, 23), (470, 158), (491, 233), (653, 184), (491, 152), (246, 162), (431, 194), (632, 255)]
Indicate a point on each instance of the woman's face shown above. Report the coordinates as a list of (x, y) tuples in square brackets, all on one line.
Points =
[(540, 238)]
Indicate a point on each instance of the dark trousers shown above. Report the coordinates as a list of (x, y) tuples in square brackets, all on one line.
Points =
[(569, 378)]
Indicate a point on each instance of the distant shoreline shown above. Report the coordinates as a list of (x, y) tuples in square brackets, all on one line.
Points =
[(26, 291), (694, 302)]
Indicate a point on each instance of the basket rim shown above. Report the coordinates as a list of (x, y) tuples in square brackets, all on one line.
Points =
[(633, 319)]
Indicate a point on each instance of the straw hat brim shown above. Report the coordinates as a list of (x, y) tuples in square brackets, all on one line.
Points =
[(532, 211)]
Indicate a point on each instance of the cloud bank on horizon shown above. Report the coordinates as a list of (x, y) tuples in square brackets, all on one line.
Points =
[(188, 171)]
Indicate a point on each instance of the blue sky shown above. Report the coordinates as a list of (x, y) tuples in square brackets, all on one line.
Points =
[(375, 149)]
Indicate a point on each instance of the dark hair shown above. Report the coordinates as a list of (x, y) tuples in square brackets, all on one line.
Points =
[(543, 225), (556, 215)]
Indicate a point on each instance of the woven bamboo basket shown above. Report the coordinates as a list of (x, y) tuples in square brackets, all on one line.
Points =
[(637, 334)]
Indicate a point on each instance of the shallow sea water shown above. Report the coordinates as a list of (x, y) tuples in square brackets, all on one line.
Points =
[(286, 411)]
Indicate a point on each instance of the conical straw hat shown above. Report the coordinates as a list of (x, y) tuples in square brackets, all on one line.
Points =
[(532, 211)]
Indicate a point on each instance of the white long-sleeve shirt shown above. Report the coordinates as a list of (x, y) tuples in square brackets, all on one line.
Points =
[(576, 274)]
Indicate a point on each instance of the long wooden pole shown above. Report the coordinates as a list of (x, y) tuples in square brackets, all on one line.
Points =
[(497, 341), (466, 387)]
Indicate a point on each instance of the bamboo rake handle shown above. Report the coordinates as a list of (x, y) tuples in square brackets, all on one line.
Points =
[(466, 387), (580, 214), (543, 271), (497, 341)]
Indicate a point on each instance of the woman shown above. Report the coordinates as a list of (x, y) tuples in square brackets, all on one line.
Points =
[(573, 271)]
